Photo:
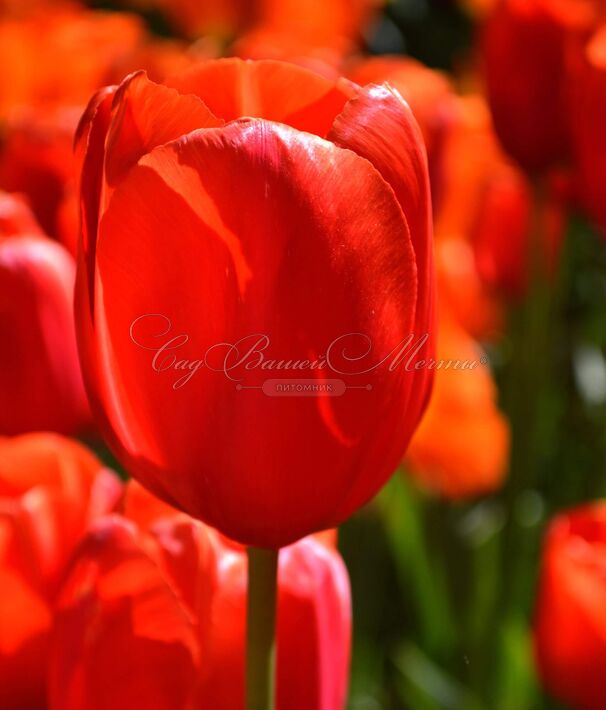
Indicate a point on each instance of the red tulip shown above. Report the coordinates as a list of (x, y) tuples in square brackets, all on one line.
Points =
[(503, 233), (525, 48), (50, 490), (275, 233), (36, 159), (570, 619), (589, 112), (16, 217), (171, 598), (40, 380)]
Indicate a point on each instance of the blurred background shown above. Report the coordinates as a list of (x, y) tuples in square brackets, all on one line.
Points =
[(445, 563)]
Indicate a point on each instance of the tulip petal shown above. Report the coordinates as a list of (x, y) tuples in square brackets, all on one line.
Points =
[(378, 125), (147, 115), (252, 229), (118, 594), (267, 89)]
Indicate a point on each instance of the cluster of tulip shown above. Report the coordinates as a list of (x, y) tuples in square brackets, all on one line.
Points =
[(219, 260)]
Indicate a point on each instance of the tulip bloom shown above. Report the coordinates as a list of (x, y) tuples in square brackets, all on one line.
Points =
[(16, 216), (50, 490), (40, 380), (299, 251), (569, 627), (37, 161), (461, 447), (525, 51), (171, 595), (589, 110)]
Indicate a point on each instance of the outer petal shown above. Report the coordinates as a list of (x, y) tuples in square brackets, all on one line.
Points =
[(270, 235), (277, 91), (90, 151), (378, 125)]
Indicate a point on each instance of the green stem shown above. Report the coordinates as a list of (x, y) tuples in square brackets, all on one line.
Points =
[(261, 629)]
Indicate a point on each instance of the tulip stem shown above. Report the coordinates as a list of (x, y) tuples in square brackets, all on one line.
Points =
[(261, 629)]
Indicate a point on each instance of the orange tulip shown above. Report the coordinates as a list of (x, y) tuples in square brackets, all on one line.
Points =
[(570, 621), (51, 489), (35, 53), (317, 22), (461, 447), (171, 595), (313, 22)]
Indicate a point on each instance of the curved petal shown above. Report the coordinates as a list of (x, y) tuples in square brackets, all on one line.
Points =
[(270, 234), (147, 115), (90, 151), (378, 125), (277, 91)]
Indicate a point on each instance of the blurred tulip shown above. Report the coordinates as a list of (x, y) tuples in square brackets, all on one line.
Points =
[(36, 52), (486, 201), (20, 9), (36, 139), (171, 595), (16, 217), (569, 626), (525, 53), (470, 157), (220, 18), (475, 306), (265, 44), (51, 489), (36, 159), (461, 447), (273, 237), (512, 238), (317, 22), (40, 381), (589, 114)]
